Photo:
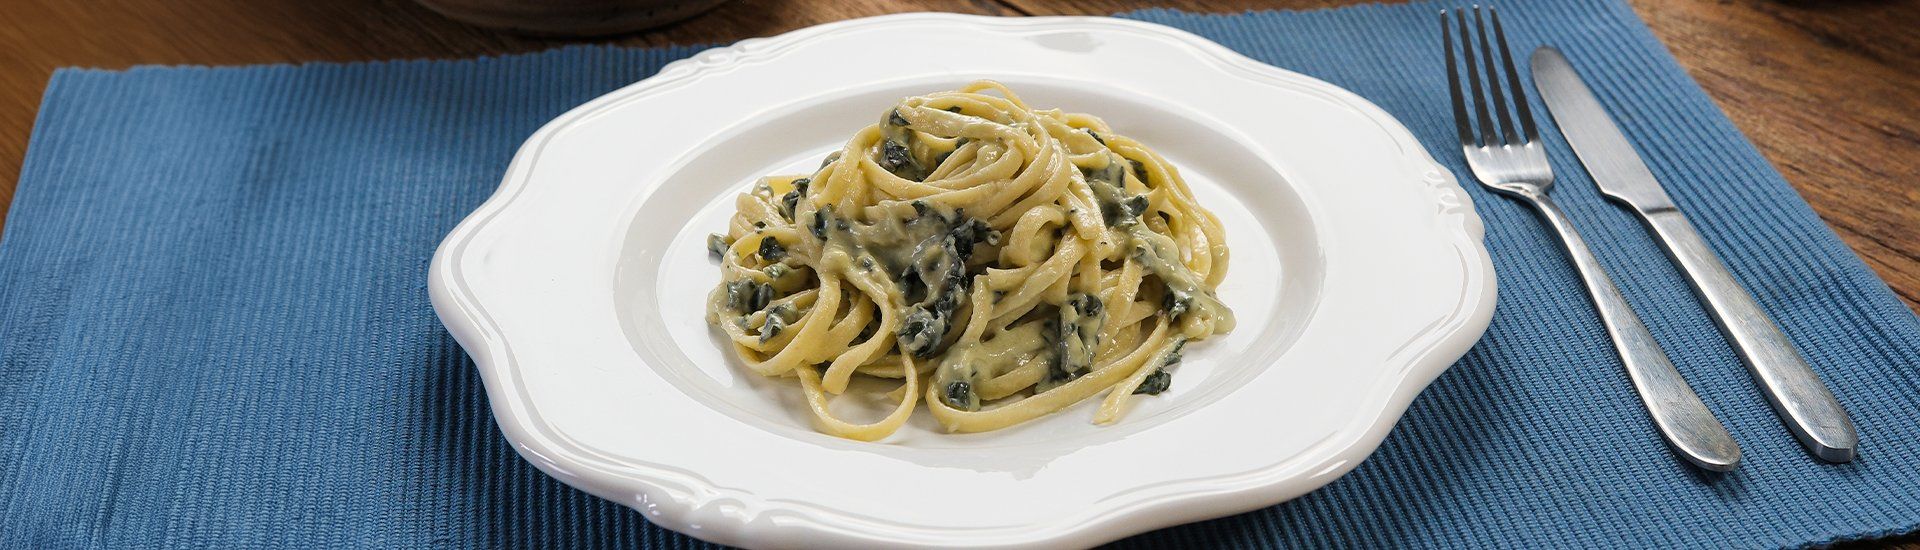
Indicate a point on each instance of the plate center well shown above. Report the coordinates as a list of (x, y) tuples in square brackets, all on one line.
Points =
[(663, 275)]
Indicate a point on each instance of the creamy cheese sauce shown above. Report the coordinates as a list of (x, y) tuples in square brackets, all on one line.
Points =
[(1005, 262)]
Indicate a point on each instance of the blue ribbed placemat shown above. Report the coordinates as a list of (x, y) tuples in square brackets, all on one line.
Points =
[(214, 328)]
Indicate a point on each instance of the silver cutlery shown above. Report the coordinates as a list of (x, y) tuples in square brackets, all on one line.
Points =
[(1797, 395), (1510, 159)]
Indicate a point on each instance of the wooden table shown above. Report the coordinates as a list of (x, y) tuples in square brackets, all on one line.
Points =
[(1828, 90)]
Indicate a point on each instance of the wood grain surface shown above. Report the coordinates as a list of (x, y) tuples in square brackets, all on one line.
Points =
[(1828, 89)]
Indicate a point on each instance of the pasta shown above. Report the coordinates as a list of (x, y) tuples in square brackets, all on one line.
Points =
[(1001, 262)]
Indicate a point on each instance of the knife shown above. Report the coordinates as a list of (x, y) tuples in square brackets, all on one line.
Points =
[(1797, 395)]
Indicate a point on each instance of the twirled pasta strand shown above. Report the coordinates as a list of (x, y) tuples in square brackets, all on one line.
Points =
[(1002, 262)]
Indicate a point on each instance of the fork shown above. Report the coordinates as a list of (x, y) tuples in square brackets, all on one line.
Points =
[(1510, 159)]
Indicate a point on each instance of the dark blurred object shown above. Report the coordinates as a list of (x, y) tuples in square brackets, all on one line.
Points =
[(570, 17)]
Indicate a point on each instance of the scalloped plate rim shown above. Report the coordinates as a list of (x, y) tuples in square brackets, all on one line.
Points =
[(459, 310)]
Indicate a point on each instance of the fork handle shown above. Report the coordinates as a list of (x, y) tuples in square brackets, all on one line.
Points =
[(1797, 395), (1679, 414)]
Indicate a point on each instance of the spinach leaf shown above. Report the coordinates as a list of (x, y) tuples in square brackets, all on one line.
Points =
[(790, 202), (716, 246), (770, 249), (1078, 333)]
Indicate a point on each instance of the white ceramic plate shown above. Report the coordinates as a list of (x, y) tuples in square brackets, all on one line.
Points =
[(1358, 275)]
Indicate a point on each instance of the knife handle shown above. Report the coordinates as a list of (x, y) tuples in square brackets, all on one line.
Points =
[(1681, 417), (1797, 394)]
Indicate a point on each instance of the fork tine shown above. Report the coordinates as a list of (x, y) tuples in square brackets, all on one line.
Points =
[(1488, 133), (1493, 82), (1460, 120), (1513, 76)]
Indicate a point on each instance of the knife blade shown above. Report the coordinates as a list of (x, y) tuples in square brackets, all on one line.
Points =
[(1800, 399)]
